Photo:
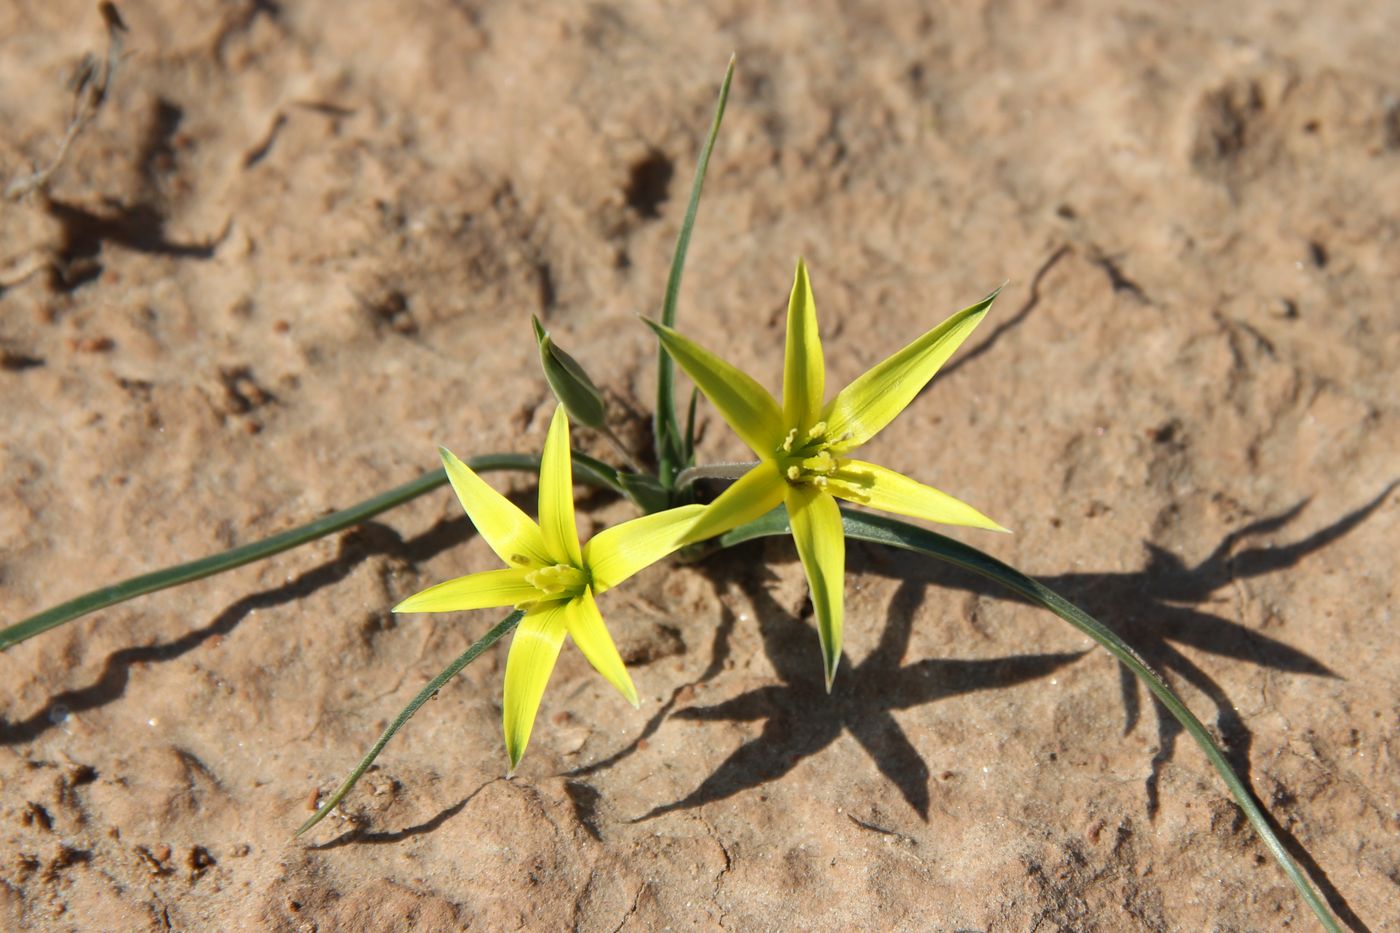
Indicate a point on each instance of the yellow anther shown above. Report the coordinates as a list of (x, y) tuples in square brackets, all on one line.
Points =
[(817, 430), (793, 473), (787, 443)]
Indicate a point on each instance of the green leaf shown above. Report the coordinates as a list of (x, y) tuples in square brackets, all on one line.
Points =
[(664, 426), (424, 695), (688, 452), (586, 470), (646, 491), (879, 529)]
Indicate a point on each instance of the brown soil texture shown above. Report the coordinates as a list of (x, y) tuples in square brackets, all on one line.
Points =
[(299, 246)]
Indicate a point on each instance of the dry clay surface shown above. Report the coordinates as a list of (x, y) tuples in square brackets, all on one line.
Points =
[(299, 247)]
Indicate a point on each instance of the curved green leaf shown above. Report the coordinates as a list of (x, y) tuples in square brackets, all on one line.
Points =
[(587, 470), (405, 714)]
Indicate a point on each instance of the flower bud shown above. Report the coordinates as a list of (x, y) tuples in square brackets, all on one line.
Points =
[(569, 383)]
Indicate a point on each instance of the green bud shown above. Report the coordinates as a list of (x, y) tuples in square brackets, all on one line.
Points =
[(569, 383)]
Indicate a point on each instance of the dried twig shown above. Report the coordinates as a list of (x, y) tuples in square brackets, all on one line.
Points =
[(90, 86)]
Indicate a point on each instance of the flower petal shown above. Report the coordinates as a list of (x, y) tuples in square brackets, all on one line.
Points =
[(557, 494), (614, 554), (865, 406), (821, 543), (588, 631), (895, 492), (756, 493), (533, 651), (510, 532), (804, 370), (743, 403), (476, 591)]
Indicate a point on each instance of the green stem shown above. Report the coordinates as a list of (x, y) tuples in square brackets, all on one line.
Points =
[(729, 471), (586, 469), (879, 529), (405, 714), (664, 424)]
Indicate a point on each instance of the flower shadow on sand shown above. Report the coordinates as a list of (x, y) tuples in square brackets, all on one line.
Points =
[(801, 719), (1155, 609)]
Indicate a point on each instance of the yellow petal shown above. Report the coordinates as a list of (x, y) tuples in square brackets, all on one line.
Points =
[(742, 402), (533, 651), (557, 494), (510, 532), (865, 406), (476, 591), (821, 543), (804, 371), (895, 492), (614, 554), (756, 493), (586, 628)]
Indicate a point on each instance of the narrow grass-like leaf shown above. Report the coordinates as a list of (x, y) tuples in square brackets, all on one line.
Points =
[(688, 457), (586, 470), (424, 695), (894, 533), (669, 455)]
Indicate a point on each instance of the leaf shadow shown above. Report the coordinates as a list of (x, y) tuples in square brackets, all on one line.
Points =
[(359, 834), (367, 540), (1163, 605)]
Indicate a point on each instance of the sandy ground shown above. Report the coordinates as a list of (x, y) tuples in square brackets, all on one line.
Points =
[(299, 247)]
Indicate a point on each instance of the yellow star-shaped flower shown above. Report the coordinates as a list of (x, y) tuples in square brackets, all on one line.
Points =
[(804, 446), (549, 576)]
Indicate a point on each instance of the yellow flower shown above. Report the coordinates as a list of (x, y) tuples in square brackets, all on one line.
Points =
[(804, 447), (549, 576)]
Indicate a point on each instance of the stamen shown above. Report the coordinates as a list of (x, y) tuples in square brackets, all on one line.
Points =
[(787, 443), (817, 430), (557, 580), (793, 473)]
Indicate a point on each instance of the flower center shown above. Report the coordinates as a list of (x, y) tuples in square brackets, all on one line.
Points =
[(813, 458), (554, 583)]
